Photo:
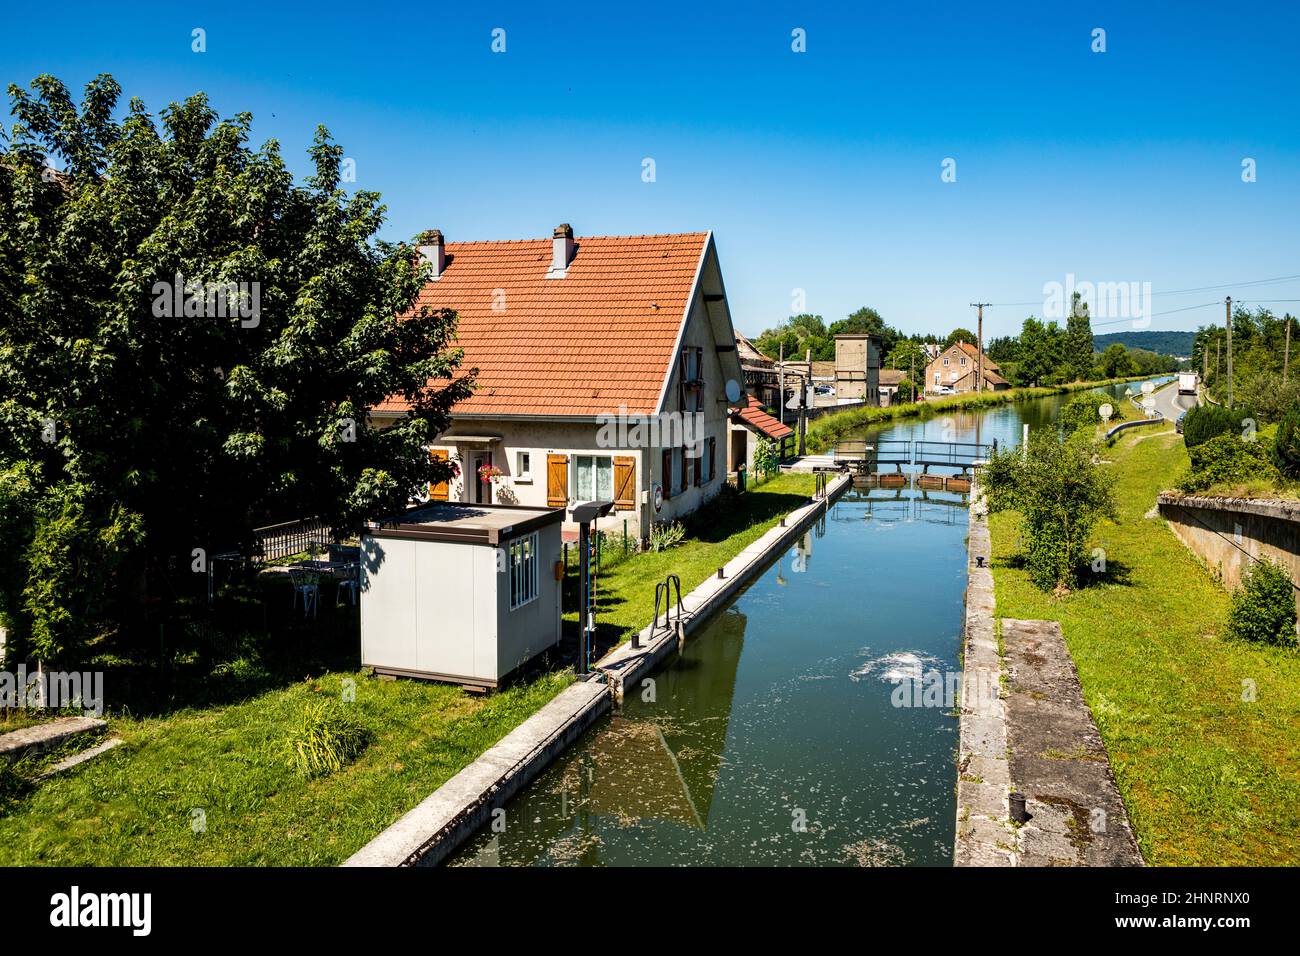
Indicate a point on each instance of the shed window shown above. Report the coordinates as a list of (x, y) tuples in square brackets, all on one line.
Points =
[(523, 570), (593, 478)]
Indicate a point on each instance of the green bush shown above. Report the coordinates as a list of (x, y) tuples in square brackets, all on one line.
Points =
[(1286, 446), (328, 736), (1263, 608), (1209, 421), (1061, 492), (1084, 411), (1228, 459)]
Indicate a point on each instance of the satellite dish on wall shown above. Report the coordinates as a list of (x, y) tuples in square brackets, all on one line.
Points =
[(733, 390)]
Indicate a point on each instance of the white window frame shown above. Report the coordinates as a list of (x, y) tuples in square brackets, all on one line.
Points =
[(522, 563), (523, 467), (574, 468), (945, 360)]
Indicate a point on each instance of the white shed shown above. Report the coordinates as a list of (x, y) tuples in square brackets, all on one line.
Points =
[(461, 593)]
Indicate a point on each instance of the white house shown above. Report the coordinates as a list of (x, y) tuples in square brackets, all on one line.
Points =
[(604, 367)]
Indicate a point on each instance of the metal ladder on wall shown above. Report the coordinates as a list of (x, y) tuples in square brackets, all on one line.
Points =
[(665, 591)]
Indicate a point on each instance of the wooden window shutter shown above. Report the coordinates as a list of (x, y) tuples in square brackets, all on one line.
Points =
[(713, 458), (557, 481), (438, 491), (686, 470), (624, 483), (668, 473), (681, 381), (699, 466)]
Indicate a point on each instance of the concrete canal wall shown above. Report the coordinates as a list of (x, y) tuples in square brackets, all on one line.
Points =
[(1026, 730), (984, 834), (440, 823), (1228, 534)]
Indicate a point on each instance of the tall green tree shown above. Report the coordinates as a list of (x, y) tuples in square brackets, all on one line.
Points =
[(191, 344), (1078, 341)]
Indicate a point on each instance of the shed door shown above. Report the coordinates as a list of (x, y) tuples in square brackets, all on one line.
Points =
[(438, 492), (557, 481), (624, 483)]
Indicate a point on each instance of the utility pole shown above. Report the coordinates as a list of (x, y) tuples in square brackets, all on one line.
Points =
[(780, 388), (979, 382), (1286, 356), (1227, 308), (803, 404)]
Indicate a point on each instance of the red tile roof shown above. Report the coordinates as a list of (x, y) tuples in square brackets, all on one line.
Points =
[(759, 420), (974, 353), (599, 338)]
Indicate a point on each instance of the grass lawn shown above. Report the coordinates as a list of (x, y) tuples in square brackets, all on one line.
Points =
[(626, 589), (1208, 779), (210, 734), (136, 805)]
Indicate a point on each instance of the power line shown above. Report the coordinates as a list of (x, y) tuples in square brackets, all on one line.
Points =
[(1204, 288)]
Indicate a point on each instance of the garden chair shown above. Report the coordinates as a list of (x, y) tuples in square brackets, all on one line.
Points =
[(307, 584), (349, 580)]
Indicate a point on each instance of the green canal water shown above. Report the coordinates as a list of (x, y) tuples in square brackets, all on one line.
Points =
[(776, 738)]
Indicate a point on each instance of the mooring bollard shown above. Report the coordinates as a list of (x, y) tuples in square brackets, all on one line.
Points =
[(720, 575), (979, 560), (1018, 812)]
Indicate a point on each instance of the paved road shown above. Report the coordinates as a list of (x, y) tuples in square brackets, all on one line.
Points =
[(1169, 404)]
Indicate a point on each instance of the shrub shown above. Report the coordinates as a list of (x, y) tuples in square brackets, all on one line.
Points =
[(1083, 410), (1208, 421), (1228, 459), (665, 536), (1061, 493), (1263, 608), (1286, 445), (1269, 396), (767, 457), (328, 736)]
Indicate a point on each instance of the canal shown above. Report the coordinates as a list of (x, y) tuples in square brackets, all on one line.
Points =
[(808, 723)]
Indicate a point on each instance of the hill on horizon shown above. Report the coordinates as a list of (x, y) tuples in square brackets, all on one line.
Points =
[(1163, 343)]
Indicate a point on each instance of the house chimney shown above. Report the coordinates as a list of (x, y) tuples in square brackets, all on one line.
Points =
[(562, 248), (433, 251)]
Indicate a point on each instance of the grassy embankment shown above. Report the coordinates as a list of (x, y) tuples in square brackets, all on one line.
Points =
[(1208, 778), (625, 597), (827, 430), (225, 759)]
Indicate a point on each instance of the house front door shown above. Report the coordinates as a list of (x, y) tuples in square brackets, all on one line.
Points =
[(482, 486), (739, 450)]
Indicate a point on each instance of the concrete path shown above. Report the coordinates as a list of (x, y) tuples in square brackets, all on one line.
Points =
[(1057, 758)]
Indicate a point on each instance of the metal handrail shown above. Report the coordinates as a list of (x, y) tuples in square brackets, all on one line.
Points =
[(664, 590)]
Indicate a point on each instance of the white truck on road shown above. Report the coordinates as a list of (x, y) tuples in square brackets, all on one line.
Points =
[(1186, 383)]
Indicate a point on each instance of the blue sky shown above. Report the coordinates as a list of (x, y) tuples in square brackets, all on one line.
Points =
[(817, 171)]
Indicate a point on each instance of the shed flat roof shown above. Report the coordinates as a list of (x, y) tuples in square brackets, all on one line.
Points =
[(468, 523)]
